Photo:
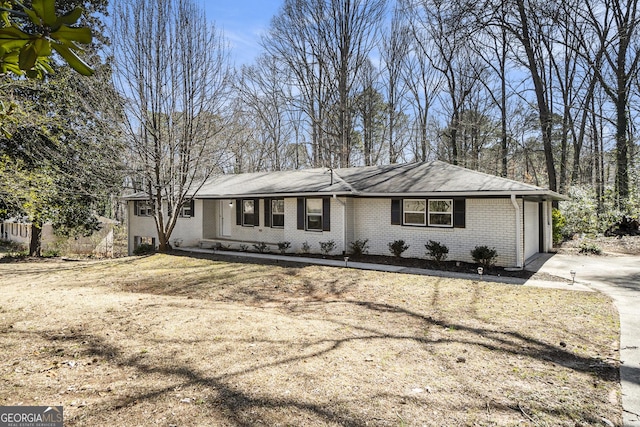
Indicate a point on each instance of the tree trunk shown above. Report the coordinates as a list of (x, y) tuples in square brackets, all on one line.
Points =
[(546, 121), (35, 245)]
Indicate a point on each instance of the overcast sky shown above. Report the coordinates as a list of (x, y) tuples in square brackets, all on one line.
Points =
[(243, 22)]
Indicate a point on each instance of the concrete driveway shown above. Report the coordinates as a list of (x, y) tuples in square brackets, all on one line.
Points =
[(619, 277)]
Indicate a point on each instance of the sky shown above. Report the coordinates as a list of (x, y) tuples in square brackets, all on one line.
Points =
[(243, 22)]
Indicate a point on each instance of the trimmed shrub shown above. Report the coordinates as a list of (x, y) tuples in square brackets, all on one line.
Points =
[(397, 248), (327, 247), (437, 251), (261, 247), (283, 246), (144, 249), (359, 247), (484, 255), (306, 247)]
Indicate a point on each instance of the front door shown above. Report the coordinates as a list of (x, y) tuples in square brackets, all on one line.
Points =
[(225, 217)]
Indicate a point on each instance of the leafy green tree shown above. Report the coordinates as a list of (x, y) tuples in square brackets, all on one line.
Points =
[(29, 35), (61, 156)]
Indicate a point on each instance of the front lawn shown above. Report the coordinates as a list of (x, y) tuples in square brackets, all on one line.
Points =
[(176, 340)]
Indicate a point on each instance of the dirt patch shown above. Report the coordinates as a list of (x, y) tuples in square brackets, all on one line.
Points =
[(176, 340)]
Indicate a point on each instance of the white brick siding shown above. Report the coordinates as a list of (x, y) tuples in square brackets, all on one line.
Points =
[(313, 238), (187, 229), (489, 222)]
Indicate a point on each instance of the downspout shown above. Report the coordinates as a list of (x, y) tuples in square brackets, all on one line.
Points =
[(129, 216), (344, 224), (518, 232)]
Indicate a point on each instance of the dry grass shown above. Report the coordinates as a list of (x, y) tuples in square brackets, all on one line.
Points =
[(169, 340)]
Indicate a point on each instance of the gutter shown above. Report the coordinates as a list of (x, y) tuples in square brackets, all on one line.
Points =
[(518, 233)]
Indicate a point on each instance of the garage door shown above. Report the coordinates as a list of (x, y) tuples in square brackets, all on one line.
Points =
[(531, 229)]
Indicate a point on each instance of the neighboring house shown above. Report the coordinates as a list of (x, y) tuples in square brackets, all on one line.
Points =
[(414, 202), (99, 243), (15, 230)]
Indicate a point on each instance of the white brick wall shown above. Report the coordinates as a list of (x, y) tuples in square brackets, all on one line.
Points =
[(187, 229), (256, 234), (489, 222), (313, 238)]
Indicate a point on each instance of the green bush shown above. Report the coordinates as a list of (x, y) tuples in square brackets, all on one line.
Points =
[(306, 247), (359, 247), (283, 246), (437, 251), (582, 215), (18, 255), (590, 248), (397, 248), (559, 224), (327, 247), (51, 253), (484, 255), (261, 247), (144, 249)]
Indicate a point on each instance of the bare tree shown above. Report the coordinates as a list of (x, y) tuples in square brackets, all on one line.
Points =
[(369, 111), (263, 90), (326, 43), (172, 65), (394, 50), (423, 83), (442, 34), (614, 36)]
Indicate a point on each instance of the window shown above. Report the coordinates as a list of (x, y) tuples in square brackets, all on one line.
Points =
[(15, 229), (314, 214), (24, 230), (248, 212), (186, 211), (414, 211), (277, 213), (441, 212), (143, 208), (431, 212)]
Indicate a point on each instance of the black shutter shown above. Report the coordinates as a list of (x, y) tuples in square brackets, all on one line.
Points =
[(256, 212), (326, 214), (301, 213), (238, 211), (396, 211), (267, 212), (459, 208), (192, 205), (135, 207)]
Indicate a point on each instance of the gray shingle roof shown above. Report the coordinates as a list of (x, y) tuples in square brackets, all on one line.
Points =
[(433, 178)]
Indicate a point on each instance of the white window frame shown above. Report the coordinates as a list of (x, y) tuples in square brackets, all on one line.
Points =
[(442, 213), (308, 214), (406, 211), (246, 223), (275, 212), (185, 210), (143, 208)]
